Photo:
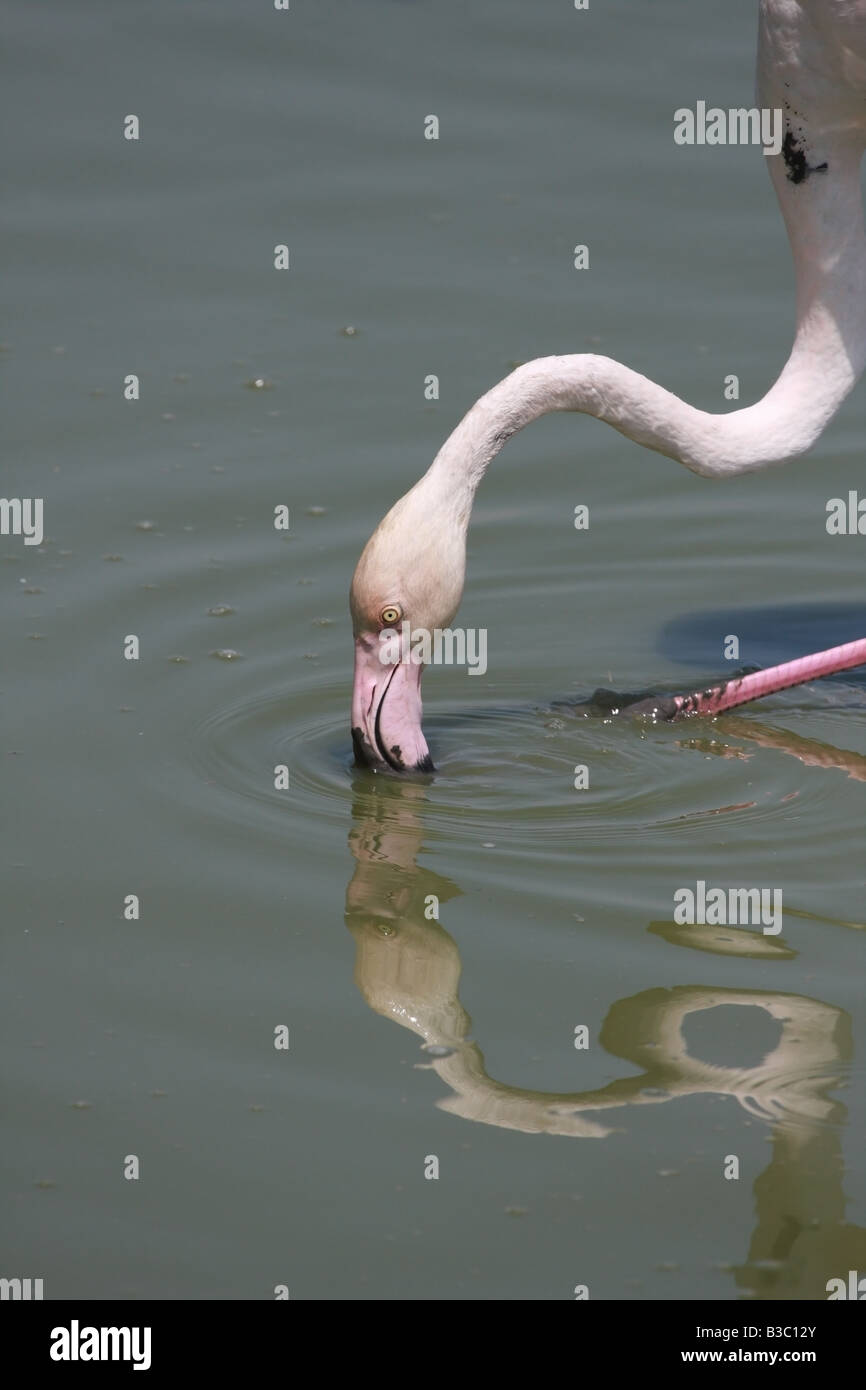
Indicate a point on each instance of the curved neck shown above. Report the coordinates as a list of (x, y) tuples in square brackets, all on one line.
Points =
[(819, 85)]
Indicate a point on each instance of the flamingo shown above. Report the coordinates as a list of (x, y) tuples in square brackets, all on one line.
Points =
[(812, 66)]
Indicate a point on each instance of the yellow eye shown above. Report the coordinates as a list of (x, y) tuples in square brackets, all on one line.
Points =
[(391, 615)]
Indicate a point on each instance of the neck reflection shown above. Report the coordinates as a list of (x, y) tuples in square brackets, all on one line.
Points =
[(408, 968)]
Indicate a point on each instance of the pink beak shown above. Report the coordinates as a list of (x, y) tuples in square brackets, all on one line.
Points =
[(386, 712)]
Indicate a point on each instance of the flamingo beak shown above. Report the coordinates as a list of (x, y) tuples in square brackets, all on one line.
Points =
[(386, 712)]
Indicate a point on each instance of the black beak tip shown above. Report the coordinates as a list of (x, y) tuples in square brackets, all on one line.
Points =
[(366, 756), (363, 755)]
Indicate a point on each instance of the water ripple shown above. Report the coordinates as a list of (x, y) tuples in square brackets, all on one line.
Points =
[(509, 775)]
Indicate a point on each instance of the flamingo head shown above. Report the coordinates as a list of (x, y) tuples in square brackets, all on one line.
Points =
[(409, 577)]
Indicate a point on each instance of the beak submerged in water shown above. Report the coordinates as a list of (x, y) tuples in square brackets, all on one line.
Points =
[(386, 712)]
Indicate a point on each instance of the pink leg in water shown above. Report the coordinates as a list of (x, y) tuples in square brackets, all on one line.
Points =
[(729, 694)]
